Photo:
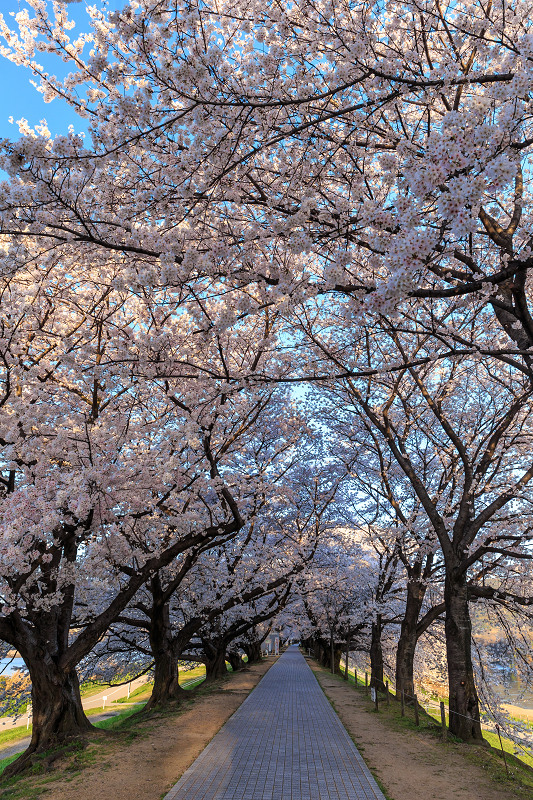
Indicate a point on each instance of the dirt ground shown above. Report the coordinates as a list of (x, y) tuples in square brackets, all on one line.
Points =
[(145, 760), (130, 767), (413, 765)]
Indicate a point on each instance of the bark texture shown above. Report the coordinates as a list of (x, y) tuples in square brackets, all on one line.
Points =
[(405, 653), (464, 703), (377, 679)]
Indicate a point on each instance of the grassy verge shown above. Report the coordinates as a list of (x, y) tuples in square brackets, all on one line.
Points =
[(520, 776), (122, 728), (492, 738), (191, 678), (11, 736)]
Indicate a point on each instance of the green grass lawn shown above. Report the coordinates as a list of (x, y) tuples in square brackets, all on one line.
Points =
[(13, 735)]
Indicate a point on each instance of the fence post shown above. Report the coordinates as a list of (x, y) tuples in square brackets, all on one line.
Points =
[(387, 692), (355, 675), (366, 682), (402, 700), (417, 718), (443, 722)]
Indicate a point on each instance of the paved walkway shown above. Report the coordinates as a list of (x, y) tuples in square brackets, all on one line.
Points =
[(284, 742)]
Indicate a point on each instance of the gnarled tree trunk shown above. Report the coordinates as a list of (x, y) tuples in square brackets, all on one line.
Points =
[(235, 660), (253, 651), (58, 715), (165, 652), (215, 664)]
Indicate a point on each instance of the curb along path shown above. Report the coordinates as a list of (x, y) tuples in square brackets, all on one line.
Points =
[(284, 742)]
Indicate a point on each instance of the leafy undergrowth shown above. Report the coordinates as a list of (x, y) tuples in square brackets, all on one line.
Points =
[(489, 757)]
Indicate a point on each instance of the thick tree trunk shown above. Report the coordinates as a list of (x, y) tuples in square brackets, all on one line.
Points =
[(163, 646), (318, 651), (405, 653), (253, 651), (235, 660), (215, 665), (58, 715), (464, 703), (377, 679)]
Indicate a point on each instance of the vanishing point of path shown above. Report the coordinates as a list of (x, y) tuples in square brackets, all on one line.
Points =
[(284, 742)]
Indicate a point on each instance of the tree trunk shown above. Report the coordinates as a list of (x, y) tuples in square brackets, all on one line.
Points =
[(163, 646), (377, 679), (235, 660), (464, 704), (215, 665), (58, 715), (405, 653), (253, 651), (347, 657)]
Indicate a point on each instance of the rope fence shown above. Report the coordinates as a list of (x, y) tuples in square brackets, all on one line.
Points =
[(440, 712)]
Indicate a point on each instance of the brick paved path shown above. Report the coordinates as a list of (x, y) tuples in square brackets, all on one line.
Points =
[(284, 742)]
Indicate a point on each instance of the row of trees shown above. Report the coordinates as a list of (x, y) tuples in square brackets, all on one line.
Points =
[(329, 194)]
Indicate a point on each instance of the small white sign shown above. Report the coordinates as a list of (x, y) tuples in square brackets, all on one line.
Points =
[(373, 694)]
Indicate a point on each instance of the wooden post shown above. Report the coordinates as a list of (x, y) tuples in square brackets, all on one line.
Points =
[(417, 718), (366, 682), (387, 692), (443, 722), (402, 700), (355, 675)]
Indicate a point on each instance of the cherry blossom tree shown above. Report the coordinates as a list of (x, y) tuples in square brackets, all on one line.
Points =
[(120, 454), (376, 153), (241, 167), (461, 437)]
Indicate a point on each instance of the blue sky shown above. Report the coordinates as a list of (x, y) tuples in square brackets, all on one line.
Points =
[(18, 98)]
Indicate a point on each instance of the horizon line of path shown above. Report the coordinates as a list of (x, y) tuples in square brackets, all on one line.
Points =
[(285, 742)]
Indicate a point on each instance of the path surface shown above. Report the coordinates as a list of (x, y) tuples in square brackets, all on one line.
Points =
[(284, 742)]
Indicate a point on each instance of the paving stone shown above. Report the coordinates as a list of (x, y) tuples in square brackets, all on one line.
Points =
[(284, 742)]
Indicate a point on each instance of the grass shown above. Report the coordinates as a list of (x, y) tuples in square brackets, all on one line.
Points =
[(193, 676), (5, 761), (488, 757), (138, 693), (13, 735), (124, 727), (116, 721), (491, 738)]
